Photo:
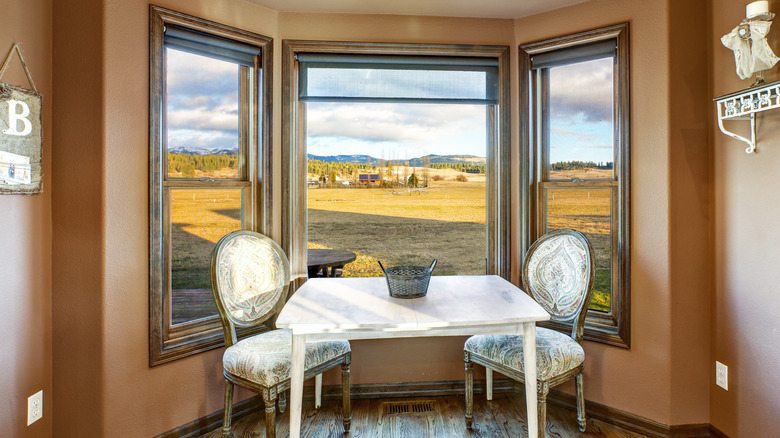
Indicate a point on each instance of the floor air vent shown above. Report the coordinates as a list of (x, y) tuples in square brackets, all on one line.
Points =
[(409, 407)]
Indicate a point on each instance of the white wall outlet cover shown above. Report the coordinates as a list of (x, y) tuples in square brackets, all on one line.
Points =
[(34, 407), (722, 375)]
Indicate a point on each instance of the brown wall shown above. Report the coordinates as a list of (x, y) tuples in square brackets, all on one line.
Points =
[(689, 237), (174, 394), (25, 239), (636, 380), (98, 279), (78, 245), (115, 269), (746, 259)]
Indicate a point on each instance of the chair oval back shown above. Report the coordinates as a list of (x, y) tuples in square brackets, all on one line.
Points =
[(250, 275), (558, 273)]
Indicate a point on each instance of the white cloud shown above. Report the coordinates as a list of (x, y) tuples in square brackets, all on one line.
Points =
[(202, 139), (583, 89), (220, 118), (388, 122), (202, 101)]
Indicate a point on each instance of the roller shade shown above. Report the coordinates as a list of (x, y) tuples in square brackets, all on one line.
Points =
[(377, 78), (209, 45), (571, 55)]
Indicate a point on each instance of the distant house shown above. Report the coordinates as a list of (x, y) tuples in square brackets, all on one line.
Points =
[(369, 179)]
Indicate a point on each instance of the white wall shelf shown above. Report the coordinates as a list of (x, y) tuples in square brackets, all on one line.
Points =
[(744, 104)]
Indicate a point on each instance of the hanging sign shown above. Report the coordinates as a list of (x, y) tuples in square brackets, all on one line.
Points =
[(21, 135)]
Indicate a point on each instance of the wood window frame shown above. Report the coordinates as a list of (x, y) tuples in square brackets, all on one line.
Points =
[(612, 328), (294, 196), (169, 342)]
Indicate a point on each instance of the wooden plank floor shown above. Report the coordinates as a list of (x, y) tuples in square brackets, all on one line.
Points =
[(504, 417)]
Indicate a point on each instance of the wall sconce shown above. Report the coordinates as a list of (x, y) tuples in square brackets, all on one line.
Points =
[(748, 41)]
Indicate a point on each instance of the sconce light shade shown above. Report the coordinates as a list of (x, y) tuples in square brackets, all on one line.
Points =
[(753, 10)]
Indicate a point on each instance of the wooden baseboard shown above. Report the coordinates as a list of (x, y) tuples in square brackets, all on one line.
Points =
[(213, 421), (625, 420), (715, 433), (632, 422), (600, 412)]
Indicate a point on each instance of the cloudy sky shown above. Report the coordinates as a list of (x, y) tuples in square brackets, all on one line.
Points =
[(202, 102), (203, 114), (581, 112), (395, 130)]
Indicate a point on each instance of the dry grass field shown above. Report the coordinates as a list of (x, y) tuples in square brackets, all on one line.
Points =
[(588, 211), (199, 219), (446, 221), (397, 226), (400, 226)]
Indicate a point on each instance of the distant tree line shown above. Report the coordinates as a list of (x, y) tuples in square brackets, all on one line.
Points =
[(461, 167), (392, 173), (579, 165), (186, 164), (323, 168)]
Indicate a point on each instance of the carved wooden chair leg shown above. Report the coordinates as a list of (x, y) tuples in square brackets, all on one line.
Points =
[(282, 402), (269, 397), (541, 393), (469, 392), (345, 394), (580, 403), (228, 408)]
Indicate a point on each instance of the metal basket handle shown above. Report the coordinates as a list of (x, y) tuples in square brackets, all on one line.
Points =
[(433, 265), (382, 266)]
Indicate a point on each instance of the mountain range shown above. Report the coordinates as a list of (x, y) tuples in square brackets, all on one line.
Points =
[(362, 159), (201, 151)]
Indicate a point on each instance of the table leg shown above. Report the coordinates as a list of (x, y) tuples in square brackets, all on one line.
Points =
[(529, 353), (296, 384), (317, 391), (489, 383)]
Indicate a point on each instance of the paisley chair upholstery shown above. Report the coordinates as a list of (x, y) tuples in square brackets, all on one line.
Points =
[(250, 276), (558, 272)]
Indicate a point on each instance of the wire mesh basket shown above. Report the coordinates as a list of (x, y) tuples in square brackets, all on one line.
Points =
[(408, 281)]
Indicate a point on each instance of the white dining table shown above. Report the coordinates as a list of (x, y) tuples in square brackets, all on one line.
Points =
[(361, 308)]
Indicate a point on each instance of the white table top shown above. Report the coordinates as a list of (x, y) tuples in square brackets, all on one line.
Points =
[(453, 304)]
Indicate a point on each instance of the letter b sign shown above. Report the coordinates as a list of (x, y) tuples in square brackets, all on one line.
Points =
[(21, 141), (18, 112)]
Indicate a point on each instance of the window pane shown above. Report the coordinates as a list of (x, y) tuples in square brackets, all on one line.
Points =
[(202, 112), (199, 218), (402, 183), (590, 212), (399, 84), (581, 120)]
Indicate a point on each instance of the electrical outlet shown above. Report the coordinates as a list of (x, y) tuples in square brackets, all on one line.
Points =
[(722, 375), (34, 407)]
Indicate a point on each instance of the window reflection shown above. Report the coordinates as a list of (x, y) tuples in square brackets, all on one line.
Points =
[(199, 218), (202, 112), (581, 120)]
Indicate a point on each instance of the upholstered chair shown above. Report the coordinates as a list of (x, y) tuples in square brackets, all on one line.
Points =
[(250, 275), (558, 272)]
